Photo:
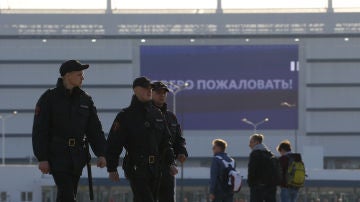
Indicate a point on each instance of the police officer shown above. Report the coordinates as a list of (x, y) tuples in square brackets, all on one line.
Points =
[(142, 131), (167, 182), (65, 119)]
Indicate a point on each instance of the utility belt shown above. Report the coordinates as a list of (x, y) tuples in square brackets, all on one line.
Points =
[(141, 165), (71, 142), (142, 160)]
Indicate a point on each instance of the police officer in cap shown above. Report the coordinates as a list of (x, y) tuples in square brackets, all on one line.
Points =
[(142, 131), (65, 120), (167, 182)]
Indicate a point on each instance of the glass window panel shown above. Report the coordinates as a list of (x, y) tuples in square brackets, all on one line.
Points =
[(342, 163), (273, 4), (46, 4), (30, 196), (23, 196), (164, 4), (345, 3), (3, 196)]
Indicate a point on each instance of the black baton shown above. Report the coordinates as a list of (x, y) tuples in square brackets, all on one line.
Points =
[(91, 190), (88, 166)]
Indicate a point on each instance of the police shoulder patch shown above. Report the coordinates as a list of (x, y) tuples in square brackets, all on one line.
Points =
[(37, 110), (116, 125)]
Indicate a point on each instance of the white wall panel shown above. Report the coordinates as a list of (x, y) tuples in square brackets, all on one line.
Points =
[(109, 74), (333, 97), (333, 122), (20, 124), (334, 146), (333, 72), (330, 48), (26, 98), (20, 74), (64, 49), (47, 74), (18, 147), (111, 98)]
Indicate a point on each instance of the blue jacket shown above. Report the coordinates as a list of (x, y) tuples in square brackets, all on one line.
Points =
[(217, 186)]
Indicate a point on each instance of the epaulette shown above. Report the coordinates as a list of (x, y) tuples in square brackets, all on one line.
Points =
[(123, 110), (170, 112), (84, 93), (49, 91)]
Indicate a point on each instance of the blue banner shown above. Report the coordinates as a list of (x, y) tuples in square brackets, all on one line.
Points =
[(226, 84)]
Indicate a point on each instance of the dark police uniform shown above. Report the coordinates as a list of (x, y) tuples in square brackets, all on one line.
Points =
[(167, 182), (60, 124), (142, 131)]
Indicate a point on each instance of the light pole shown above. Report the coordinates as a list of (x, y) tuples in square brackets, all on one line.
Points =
[(255, 125), (287, 105), (3, 119), (175, 89)]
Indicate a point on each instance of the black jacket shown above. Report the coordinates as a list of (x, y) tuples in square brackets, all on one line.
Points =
[(259, 169), (60, 116), (178, 142), (142, 131)]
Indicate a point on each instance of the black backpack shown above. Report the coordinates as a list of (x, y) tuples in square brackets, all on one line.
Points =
[(272, 169)]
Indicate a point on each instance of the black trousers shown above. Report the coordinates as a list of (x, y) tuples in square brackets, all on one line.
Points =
[(67, 185), (263, 193), (144, 185), (167, 187), (227, 198)]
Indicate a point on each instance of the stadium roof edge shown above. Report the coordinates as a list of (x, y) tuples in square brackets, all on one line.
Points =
[(179, 25)]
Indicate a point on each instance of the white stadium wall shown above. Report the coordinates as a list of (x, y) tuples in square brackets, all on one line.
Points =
[(328, 103), (32, 47)]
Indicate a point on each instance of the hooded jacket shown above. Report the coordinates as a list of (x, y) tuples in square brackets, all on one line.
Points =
[(257, 166)]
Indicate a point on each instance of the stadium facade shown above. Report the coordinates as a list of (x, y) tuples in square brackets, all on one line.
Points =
[(33, 43)]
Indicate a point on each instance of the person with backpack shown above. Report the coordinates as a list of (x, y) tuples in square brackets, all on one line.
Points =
[(293, 171), (220, 189), (263, 171)]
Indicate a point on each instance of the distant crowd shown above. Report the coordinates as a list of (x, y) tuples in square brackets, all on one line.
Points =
[(265, 172)]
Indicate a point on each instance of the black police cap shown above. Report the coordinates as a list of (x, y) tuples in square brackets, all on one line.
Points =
[(160, 85), (142, 82), (72, 65)]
